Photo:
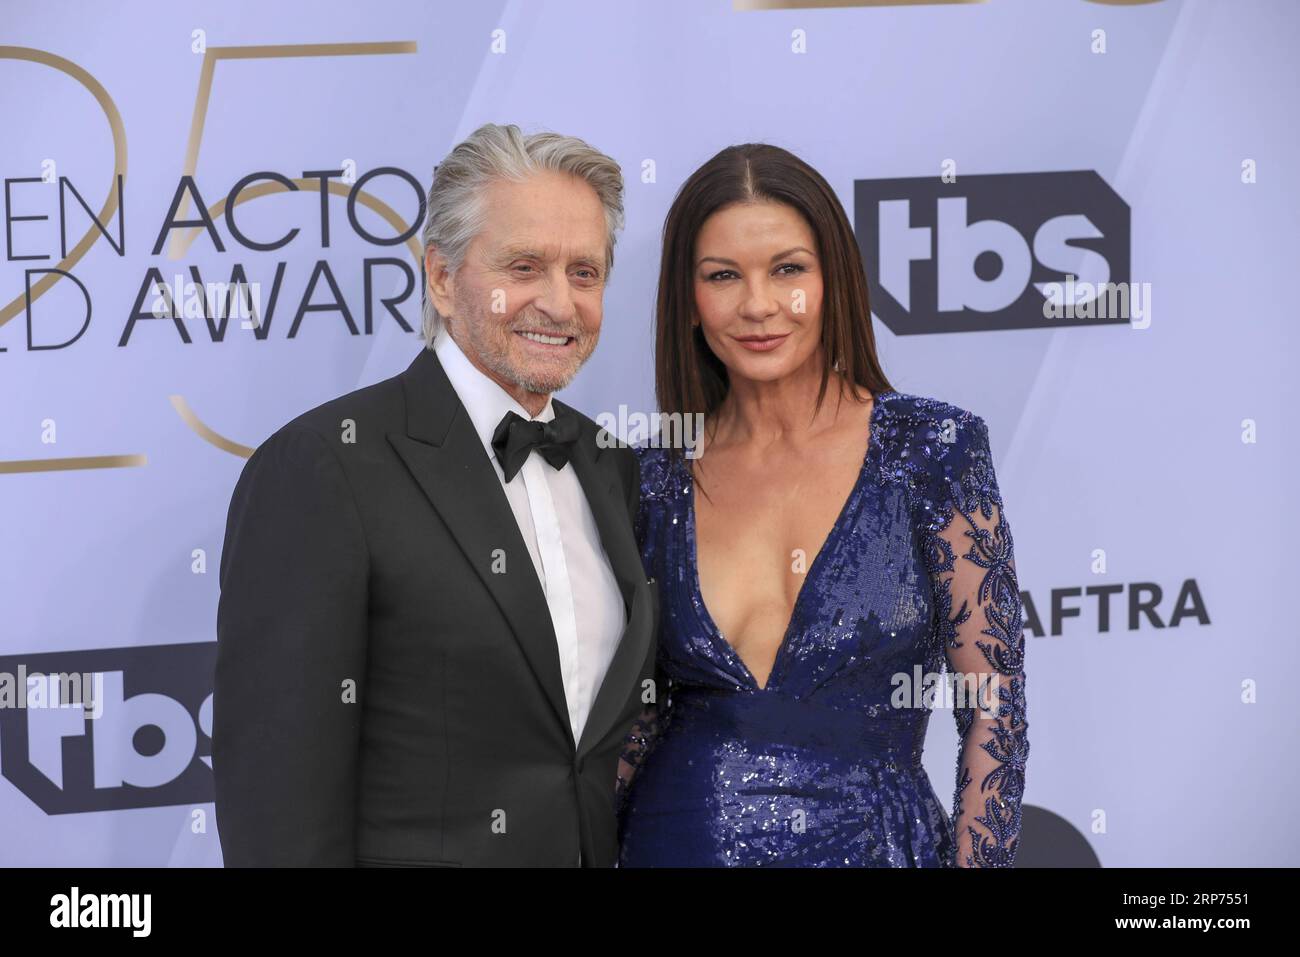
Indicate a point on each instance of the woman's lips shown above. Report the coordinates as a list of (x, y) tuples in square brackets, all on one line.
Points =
[(762, 343)]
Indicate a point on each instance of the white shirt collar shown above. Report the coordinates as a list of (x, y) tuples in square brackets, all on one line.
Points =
[(484, 400)]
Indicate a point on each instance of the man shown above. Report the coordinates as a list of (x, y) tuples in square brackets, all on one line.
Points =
[(434, 628)]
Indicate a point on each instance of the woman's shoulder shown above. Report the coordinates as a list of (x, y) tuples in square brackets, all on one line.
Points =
[(928, 425), (908, 411), (662, 473), (935, 446)]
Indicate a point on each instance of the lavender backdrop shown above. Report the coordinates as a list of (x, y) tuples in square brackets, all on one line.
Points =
[(1147, 453)]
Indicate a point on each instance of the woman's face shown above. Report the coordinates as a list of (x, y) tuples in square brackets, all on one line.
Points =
[(758, 290)]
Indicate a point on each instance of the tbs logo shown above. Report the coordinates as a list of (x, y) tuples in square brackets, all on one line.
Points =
[(148, 745), (1007, 251)]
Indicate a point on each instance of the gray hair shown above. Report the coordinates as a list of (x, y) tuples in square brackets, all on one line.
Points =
[(455, 211)]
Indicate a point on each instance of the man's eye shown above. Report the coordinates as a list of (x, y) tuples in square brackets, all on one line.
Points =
[(521, 266)]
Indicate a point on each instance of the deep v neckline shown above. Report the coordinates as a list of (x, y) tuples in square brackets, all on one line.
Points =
[(706, 617)]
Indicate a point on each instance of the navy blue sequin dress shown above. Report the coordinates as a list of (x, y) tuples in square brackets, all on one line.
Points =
[(822, 767)]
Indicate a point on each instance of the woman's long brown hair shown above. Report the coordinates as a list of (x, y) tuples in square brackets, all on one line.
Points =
[(689, 378)]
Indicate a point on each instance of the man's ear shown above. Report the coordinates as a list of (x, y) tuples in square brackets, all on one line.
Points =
[(441, 289)]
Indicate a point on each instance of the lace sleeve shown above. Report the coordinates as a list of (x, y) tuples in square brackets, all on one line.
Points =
[(636, 745), (980, 619)]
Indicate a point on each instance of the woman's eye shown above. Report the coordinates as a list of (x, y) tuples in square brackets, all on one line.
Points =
[(720, 274), (795, 269)]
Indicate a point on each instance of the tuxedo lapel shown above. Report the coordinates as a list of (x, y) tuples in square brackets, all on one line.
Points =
[(599, 478), (447, 459)]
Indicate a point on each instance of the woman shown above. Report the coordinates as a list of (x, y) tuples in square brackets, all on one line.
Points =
[(818, 560)]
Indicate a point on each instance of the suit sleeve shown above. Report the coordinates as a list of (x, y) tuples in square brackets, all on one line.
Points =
[(291, 655), (632, 480)]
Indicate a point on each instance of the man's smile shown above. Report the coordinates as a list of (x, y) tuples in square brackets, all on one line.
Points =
[(544, 340)]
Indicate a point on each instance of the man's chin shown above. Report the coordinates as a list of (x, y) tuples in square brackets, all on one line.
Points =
[(537, 381), (545, 385), (545, 377)]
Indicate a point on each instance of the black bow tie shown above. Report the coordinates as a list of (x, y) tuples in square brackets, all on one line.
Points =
[(516, 436)]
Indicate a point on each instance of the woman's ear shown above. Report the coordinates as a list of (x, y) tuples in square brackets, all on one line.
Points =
[(441, 282)]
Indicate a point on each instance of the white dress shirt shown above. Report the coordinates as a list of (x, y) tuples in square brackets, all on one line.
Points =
[(556, 523)]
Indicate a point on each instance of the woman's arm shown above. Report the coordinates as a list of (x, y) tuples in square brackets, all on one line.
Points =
[(980, 619), (636, 745)]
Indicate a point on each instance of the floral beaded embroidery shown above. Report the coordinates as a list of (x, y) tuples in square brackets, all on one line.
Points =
[(942, 455)]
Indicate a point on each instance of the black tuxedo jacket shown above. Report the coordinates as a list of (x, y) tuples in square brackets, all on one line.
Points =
[(388, 685)]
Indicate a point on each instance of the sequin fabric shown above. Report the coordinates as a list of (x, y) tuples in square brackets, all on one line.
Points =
[(822, 766)]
